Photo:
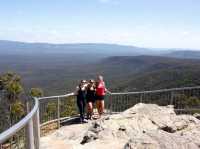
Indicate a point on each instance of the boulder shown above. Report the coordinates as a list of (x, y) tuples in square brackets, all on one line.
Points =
[(197, 115)]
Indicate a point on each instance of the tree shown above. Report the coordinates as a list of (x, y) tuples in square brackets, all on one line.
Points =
[(68, 107), (17, 111), (10, 85), (193, 102), (36, 92)]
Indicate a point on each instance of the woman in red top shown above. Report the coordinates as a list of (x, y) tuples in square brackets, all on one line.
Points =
[(100, 94)]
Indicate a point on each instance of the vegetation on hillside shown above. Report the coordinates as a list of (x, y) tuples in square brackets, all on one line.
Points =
[(12, 107), (13, 99), (13, 102), (59, 76)]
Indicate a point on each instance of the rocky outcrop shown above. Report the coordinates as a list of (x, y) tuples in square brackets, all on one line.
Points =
[(197, 115), (143, 126)]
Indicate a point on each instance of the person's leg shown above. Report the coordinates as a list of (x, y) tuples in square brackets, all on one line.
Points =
[(79, 104), (89, 110), (100, 109), (102, 106), (91, 107), (83, 109), (98, 106)]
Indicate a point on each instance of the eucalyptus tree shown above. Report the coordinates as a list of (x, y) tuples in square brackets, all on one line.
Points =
[(12, 106)]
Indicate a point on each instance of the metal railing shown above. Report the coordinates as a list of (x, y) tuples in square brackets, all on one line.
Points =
[(185, 100), (23, 134), (54, 110), (49, 113)]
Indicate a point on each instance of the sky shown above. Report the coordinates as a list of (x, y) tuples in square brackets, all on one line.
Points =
[(143, 23)]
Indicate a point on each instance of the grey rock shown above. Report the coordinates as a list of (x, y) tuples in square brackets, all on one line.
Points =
[(144, 126), (197, 115)]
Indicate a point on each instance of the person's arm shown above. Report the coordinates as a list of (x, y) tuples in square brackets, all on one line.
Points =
[(86, 86), (71, 94), (76, 91), (106, 90)]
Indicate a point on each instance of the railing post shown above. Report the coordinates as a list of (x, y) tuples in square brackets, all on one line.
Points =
[(36, 120), (58, 111), (141, 96), (111, 103), (172, 97), (29, 132)]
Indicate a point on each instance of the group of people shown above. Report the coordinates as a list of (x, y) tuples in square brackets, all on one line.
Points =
[(90, 92)]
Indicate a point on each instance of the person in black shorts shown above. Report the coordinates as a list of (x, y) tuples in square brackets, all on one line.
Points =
[(90, 98), (101, 91), (81, 98)]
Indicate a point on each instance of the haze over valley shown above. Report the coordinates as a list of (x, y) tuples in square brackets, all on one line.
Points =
[(57, 68)]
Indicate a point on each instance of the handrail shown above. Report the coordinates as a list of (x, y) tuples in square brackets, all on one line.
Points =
[(156, 91), (59, 96), (124, 93), (15, 128)]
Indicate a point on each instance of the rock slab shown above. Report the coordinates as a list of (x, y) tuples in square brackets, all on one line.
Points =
[(144, 126)]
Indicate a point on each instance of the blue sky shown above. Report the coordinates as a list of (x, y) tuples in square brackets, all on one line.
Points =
[(144, 23)]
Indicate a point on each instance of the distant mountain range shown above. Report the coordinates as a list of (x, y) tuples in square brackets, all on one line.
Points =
[(60, 73), (101, 49), (150, 72), (11, 47), (187, 54), (58, 67)]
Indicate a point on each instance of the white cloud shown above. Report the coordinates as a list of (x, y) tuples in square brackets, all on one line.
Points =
[(185, 32)]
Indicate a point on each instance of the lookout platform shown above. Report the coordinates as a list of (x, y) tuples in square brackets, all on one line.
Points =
[(58, 110)]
